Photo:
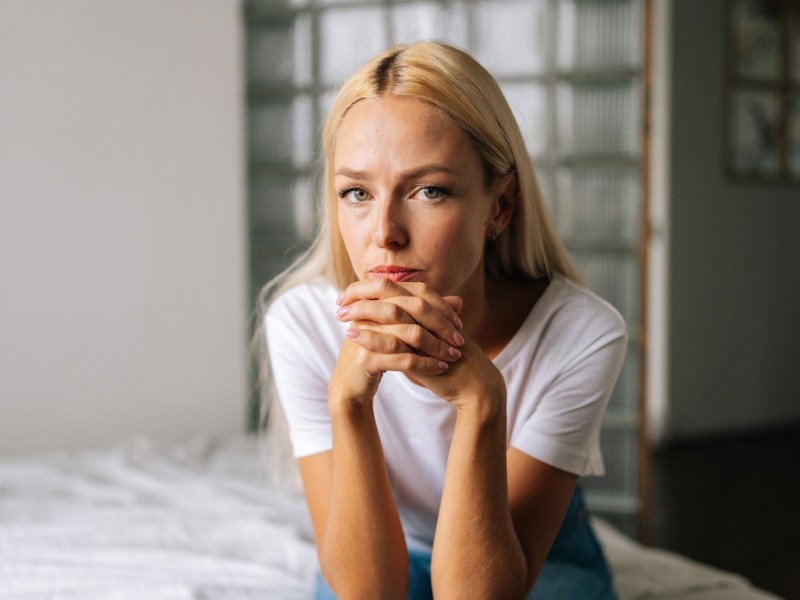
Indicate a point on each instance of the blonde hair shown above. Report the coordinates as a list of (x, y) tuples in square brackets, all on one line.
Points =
[(464, 92)]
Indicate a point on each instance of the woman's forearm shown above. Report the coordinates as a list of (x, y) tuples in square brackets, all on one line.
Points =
[(476, 551), (362, 550)]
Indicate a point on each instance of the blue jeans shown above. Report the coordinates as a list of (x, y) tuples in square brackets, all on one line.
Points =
[(575, 567)]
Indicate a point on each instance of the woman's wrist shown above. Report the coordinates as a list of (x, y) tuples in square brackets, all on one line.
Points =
[(482, 409), (342, 406)]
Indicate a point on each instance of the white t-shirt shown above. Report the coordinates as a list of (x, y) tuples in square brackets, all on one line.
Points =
[(559, 368)]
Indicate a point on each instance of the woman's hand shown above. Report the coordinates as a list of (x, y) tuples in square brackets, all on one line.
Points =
[(408, 327), (394, 327)]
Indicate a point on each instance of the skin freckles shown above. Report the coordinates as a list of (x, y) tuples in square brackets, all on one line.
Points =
[(413, 205)]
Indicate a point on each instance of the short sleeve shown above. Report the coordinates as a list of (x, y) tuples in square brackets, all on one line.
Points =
[(300, 345), (564, 429)]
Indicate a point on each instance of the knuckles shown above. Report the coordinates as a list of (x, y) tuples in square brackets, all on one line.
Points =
[(395, 313), (416, 335), (408, 362), (417, 304)]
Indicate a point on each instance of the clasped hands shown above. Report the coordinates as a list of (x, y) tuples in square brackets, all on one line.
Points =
[(410, 328)]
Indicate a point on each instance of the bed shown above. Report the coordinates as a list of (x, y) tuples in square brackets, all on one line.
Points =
[(199, 520)]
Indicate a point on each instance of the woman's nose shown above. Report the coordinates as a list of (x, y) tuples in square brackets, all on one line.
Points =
[(389, 229)]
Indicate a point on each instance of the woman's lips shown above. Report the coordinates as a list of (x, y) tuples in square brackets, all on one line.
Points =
[(395, 274)]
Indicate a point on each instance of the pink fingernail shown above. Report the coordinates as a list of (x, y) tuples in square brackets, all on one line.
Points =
[(454, 353), (458, 339), (340, 299), (352, 333), (457, 322), (342, 312), (443, 365)]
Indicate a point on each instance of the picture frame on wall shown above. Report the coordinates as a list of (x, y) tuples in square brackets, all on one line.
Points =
[(763, 91)]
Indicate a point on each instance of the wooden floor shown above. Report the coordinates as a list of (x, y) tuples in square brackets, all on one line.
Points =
[(733, 503)]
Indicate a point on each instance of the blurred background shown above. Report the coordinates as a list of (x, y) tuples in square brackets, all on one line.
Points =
[(157, 166)]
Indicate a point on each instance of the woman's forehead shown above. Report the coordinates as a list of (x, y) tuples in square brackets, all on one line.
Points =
[(401, 131)]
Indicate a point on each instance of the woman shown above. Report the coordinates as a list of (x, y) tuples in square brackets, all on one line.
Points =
[(442, 372)]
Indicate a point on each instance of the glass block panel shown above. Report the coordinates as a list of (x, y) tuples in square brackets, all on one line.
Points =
[(756, 126), (613, 277), (619, 447), (334, 2), (348, 38), (269, 257), (279, 52), (277, 3), (324, 105), (281, 207), (529, 103), (604, 33), (511, 36), (624, 399), (281, 131), (544, 177), (430, 21), (626, 522), (599, 118), (598, 205)]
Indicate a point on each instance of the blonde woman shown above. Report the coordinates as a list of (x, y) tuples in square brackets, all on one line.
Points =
[(442, 371)]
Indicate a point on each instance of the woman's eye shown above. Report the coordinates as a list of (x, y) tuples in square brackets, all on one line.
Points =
[(432, 193), (358, 195), (354, 195)]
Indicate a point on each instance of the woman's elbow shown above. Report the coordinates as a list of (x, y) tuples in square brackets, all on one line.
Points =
[(508, 581), (367, 582)]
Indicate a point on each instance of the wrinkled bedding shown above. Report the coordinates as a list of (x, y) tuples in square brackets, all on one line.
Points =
[(200, 521)]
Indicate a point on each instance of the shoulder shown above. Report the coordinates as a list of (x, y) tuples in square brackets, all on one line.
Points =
[(573, 302), (301, 325), (310, 300), (572, 319), (306, 314)]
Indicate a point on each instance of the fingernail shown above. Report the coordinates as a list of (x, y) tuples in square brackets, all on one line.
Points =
[(352, 333), (342, 312), (458, 339), (457, 322), (443, 365), (454, 353), (340, 299)]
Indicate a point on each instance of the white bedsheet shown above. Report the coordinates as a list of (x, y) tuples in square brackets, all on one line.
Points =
[(199, 521)]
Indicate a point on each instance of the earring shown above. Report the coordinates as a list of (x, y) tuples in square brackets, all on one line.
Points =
[(494, 235)]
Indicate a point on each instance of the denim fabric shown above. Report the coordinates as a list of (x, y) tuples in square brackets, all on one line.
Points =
[(575, 567)]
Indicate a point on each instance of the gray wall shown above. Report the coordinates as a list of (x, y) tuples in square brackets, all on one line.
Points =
[(734, 261), (122, 235)]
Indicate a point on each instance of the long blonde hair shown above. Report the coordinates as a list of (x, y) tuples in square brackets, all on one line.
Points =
[(463, 91)]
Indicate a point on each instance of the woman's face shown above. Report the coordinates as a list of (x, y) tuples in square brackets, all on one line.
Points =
[(412, 201)]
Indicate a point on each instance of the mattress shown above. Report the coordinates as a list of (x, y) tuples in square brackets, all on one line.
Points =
[(200, 520)]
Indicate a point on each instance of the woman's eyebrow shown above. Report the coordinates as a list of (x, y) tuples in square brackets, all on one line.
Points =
[(414, 173)]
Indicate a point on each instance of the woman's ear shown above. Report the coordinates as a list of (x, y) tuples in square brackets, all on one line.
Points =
[(505, 198)]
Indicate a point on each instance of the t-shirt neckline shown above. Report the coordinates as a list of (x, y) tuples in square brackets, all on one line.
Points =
[(522, 335)]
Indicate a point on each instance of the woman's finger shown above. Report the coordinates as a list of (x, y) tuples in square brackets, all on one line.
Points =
[(379, 288), (421, 304), (401, 338), (403, 310), (376, 288), (406, 362), (422, 290)]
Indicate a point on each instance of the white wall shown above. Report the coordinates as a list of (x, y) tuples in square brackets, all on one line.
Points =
[(734, 255), (122, 234)]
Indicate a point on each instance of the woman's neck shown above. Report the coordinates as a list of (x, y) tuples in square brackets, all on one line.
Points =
[(493, 315)]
